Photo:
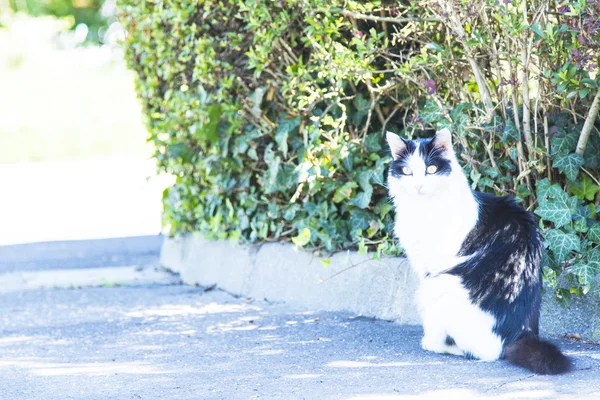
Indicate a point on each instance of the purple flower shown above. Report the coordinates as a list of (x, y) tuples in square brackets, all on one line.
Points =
[(431, 86)]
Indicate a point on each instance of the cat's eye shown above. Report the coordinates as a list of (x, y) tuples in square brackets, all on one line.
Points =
[(406, 171), (431, 169)]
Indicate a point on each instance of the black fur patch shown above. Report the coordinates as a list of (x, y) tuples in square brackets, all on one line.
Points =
[(537, 356), (398, 163), (434, 155), (450, 341), (497, 281), (428, 151)]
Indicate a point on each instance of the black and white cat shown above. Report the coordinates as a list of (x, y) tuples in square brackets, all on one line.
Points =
[(478, 257)]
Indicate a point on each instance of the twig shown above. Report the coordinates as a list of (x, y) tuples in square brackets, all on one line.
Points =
[(356, 15), (588, 125), (591, 176)]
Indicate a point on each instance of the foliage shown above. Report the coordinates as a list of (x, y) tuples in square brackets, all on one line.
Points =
[(270, 114), (88, 12)]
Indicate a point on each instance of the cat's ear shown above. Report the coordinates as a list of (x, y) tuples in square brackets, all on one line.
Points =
[(443, 139), (396, 143)]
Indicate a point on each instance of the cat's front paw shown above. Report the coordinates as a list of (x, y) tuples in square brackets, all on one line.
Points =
[(429, 344), (440, 347)]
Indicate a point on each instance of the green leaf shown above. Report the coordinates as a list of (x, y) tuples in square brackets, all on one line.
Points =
[(562, 243), (303, 238), (211, 129), (510, 133), (563, 143), (590, 82), (434, 46), (536, 28), (568, 164), (581, 225), (571, 94), (431, 112), (555, 211), (360, 219), (344, 192), (584, 189), (542, 189), (181, 150), (586, 271), (362, 106), (286, 126), (591, 156), (594, 233), (362, 199), (372, 143)]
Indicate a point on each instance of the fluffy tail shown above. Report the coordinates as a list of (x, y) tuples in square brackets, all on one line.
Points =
[(537, 355)]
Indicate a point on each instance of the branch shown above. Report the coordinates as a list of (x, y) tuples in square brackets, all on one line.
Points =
[(588, 125), (455, 24), (366, 17)]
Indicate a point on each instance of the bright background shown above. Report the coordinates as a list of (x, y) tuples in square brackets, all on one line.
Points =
[(74, 162)]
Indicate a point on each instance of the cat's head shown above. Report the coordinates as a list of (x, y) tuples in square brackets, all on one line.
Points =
[(423, 167)]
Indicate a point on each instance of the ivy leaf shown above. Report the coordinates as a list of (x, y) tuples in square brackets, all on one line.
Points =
[(568, 164), (363, 199), (594, 233), (344, 192), (286, 126), (542, 189), (563, 143), (274, 163), (510, 133), (584, 189), (591, 156), (362, 106), (303, 238), (555, 211), (581, 225), (360, 219), (431, 112), (372, 143), (562, 243), (364, 179), (586, 271)]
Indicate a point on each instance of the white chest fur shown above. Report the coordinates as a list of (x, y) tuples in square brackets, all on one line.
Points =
[(432, 229)]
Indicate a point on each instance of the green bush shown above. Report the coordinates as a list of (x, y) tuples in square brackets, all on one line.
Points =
[(270, 114)]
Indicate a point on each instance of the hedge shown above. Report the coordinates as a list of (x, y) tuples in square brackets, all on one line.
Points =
[(271, 114)]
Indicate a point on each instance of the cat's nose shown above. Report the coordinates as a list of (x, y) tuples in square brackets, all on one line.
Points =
[(419, 187)]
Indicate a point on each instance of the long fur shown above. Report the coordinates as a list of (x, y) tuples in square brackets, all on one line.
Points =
[(478, 256), (536, 355)]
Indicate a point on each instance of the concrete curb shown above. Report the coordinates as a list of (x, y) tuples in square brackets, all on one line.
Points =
[(351, 282)]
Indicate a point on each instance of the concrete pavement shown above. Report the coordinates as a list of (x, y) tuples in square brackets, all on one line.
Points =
[(182, 342)]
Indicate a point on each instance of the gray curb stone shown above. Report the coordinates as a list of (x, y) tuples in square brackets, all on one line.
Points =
[(356, 283)]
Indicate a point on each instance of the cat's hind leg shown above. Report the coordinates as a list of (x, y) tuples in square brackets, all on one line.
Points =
[(448, 310), (473, 331)]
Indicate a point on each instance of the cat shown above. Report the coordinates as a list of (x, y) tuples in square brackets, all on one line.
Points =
[(478, 257)]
